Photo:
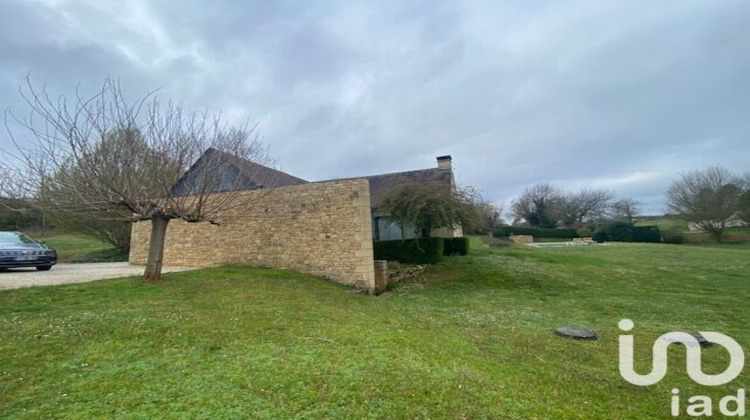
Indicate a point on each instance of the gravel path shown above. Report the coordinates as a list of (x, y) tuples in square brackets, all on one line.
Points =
[(16, 278)]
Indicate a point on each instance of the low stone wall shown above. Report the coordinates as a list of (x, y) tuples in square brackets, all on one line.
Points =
[(318, 228), (521, 239)]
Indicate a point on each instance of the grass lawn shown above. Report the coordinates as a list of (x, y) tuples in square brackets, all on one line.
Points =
[(731, 236), (472, 339), (80, 248), (552, 239), (70, 245)]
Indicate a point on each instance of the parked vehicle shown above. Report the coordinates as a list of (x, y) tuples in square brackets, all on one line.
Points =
[(19, 250)]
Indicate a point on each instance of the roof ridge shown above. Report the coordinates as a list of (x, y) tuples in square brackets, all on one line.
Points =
[(241, 161), (385, 174)]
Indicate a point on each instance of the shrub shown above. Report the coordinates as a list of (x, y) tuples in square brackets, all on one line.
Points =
[(600, 236), (536, 232), (619, 231), (616, 231), (673, 236), (583, 232), (414, 251), (646, 234), (456, 246)]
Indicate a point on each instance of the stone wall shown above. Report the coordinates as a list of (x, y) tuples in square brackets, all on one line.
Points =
[(521, 239), (318, 228)]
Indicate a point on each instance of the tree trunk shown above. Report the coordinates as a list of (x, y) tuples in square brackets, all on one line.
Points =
[(156, 249)]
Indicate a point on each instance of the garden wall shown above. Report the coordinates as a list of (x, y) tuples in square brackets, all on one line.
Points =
[(320, 228)]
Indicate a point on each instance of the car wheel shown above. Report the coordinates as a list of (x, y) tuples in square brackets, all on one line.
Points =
[(44, 267)]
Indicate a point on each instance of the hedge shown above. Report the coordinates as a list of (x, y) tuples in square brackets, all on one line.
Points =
[(536, 232), (600, 236), (646, 234), (415, 251), (673, 236), (620, 231), (625, 232), (617, 231), (456, 246)]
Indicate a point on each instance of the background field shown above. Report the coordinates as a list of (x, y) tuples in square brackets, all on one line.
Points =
[(472, 338), (663, 224), (76, 248), (732, 236)]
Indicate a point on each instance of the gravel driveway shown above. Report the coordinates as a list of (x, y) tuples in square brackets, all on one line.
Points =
[(16, 278)]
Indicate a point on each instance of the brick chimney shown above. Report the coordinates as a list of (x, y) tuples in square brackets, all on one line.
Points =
[(444, 162)]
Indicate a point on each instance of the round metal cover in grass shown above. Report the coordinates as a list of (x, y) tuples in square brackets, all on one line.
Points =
[(702, 341), (577, 333)]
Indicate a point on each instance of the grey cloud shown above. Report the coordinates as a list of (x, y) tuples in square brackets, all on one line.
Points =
[(624, 95)]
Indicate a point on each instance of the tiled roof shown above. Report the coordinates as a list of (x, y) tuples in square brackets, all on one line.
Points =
[(380, 184), (255, 175), (262, 175), (250, 175)]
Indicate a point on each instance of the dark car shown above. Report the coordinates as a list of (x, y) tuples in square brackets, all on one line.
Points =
[(18, 250)]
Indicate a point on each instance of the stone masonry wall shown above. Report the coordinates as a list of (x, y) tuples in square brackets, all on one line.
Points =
[(318, 228)]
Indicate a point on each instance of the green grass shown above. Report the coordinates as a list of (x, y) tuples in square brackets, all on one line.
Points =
[(735, 235), (731, 237), (552, 239), (69, 246), (472, 339), (75, 248)]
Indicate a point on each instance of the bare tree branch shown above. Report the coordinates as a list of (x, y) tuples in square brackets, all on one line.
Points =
[(103, 156), (709, 198)]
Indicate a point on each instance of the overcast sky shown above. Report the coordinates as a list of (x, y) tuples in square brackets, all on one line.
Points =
[(622, 95)]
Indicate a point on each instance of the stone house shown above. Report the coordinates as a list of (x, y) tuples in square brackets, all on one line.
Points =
[(382, 229), (324, 228)]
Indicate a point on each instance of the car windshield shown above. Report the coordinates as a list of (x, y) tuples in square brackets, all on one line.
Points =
[(14, 238)]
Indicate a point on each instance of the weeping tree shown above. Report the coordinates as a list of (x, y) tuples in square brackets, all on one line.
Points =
[(428, 206), (108, 159)]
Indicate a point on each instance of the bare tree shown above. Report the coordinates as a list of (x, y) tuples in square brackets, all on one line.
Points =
[(744, 212), (583, 205), (626, 209), (489, 214), (709, 198), (104, 157), (537, 204)]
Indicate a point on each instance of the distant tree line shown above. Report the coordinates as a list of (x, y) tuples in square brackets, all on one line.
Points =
[(713, 200), (544, 205), (20, 215)]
